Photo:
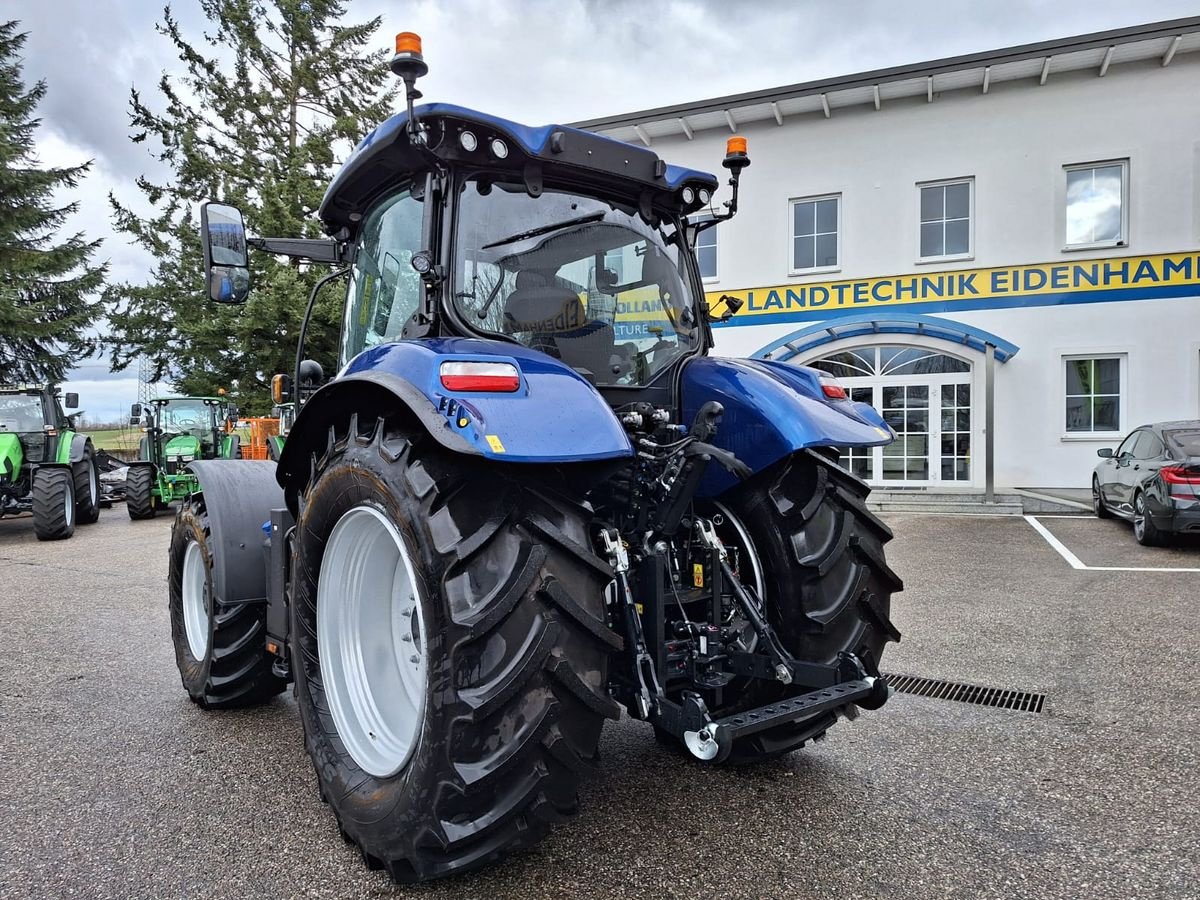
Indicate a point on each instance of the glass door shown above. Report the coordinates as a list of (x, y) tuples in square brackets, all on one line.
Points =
[(905, 407)]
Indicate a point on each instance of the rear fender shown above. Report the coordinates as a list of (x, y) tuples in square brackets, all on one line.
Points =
[(238, 498), (772, 410), (555, 415)]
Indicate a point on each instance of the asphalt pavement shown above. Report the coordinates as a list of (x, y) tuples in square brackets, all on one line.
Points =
[(114, 785)]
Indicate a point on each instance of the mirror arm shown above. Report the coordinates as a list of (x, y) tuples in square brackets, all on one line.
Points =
[(316, 250), (312, 301)]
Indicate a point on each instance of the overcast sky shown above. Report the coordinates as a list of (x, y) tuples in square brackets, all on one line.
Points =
[(535, 61)]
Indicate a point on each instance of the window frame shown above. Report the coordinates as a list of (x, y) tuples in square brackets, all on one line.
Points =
[(1123, 240), (969, 181), (708, 279), (791, 232), (1120, 432)]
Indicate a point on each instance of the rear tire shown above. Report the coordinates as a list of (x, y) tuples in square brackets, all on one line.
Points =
[(513, 660), (220, 649), (87, 488), (139, 492), (1098, 504), (53, 504), (1144, 530), (827, 585)]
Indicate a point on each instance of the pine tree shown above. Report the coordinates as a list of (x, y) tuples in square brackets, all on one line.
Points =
[(46, 310), (272, 93)]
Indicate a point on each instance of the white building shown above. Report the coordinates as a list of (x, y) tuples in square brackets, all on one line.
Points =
[(1043, 201)]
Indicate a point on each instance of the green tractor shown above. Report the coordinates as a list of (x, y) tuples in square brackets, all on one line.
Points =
[(178, 430), (46, 466)]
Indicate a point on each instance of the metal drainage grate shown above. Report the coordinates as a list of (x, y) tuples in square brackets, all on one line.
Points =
[(1001, 698)]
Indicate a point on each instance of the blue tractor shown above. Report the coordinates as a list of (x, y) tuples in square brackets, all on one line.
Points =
[(529, 499)]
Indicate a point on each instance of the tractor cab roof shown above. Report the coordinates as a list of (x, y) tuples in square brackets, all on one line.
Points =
[(464, 137)]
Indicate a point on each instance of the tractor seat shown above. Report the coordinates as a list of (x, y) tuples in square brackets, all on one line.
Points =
[(556, 320)]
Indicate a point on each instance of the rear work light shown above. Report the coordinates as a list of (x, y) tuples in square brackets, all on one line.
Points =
[(831, 388), (480, 376)]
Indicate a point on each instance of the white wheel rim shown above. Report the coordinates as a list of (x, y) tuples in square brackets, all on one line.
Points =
[(92, 479), (69, 507), (195, 610), (371, 639)]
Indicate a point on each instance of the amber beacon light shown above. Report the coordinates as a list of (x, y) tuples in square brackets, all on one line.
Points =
[(408, 62)]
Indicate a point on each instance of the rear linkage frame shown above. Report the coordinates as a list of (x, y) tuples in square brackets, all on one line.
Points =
[(708, 655)]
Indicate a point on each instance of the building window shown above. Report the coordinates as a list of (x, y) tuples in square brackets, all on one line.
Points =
[(946, 209), (816, 236), (1096, 204), (1093, 395), (706, 252)]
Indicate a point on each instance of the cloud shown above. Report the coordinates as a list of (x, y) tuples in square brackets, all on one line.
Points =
[(535, 61)]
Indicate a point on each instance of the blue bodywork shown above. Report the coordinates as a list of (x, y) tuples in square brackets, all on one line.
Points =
[(773, 409), (555, 416)]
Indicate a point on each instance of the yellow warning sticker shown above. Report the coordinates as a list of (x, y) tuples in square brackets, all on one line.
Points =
[(495, 443), (697, 575)]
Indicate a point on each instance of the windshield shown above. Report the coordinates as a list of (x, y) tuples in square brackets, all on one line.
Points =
[(581, 279), (21, 412), (185, 415)]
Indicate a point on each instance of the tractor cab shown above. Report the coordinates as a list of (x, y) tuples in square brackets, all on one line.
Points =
[(183, 429)]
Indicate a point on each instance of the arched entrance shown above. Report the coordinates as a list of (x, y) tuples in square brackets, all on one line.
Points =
[(927, 376)]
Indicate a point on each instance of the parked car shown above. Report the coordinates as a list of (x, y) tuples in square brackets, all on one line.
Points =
[(1153, 480)]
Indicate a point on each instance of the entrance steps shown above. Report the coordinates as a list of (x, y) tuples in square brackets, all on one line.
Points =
[(1009, 502)]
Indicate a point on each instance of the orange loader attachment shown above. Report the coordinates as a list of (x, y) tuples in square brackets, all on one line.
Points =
[(261, 429)]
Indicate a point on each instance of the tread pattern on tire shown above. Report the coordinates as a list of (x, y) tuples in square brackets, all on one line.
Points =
[(139, 492), (86, 512), (238, 669), (820, 544), (52, 488), (522, 695)]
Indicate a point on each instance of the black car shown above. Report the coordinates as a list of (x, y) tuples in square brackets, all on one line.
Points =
[(1152, 479)]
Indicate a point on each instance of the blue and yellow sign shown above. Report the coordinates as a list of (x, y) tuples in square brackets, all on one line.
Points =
[(1044, 284)]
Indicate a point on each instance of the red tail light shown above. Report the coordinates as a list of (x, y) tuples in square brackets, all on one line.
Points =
[(832, 389), (1178, 476), (480, 376)]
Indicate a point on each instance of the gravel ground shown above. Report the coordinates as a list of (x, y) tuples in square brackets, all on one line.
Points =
[(114, 785)]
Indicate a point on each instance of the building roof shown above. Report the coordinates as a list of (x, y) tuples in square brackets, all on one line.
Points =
[(1041, 61)]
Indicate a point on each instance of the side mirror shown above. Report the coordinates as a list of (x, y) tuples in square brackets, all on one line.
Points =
[(311, 374), (226, 258), (72, 401), (1105, 452)]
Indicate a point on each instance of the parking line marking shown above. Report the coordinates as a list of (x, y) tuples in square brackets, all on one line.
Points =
[(1076, 563)]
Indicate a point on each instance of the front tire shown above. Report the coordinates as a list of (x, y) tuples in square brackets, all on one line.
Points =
[(87, 488), (1098, 504), (826, 585), (220, 649), (140, 501), (53, 504), (492, 581)]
